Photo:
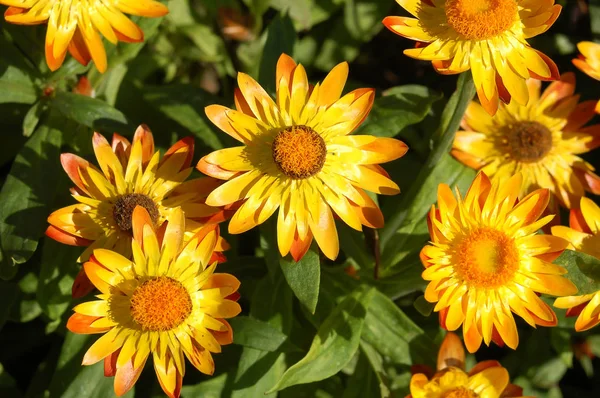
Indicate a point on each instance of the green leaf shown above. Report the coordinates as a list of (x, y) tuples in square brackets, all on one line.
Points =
[(253, 333), (423, 306), (280, 39), (17, 77), (334, 345), (376, 362), (304, 277), (411, 210), (72, 380), (363, 382), (185, 104), (395, 335), (90, 112), (58, 269), (211, 388), (8, 386), (32, 118), (25, 197), (582, 269), (398, 108)]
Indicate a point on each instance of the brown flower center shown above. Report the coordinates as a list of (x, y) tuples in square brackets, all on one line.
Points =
[(160, 304), (529, 142), (459, 392), (481, 19), (124, 206), (486, 258), (299, 152)]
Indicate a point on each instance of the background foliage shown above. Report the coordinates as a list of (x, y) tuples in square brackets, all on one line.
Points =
[(349, 328)]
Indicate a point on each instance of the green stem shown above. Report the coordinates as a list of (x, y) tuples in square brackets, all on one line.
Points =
[(442, 142)]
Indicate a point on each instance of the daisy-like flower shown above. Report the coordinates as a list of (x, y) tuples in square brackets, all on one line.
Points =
[(541, 141), (130, 175), (486, 262), (298, 156), (589, 60), (486, 379), (74, 25), (167, 302), (584, 236), (486, 36)]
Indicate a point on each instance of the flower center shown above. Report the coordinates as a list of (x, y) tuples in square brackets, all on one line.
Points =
[(481, 19), (459, 392), (486, 258), (529, 141), (160, 304), (124, 206), (299, 152)]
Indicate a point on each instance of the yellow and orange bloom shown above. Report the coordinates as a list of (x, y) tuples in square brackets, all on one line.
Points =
[(584, 236), (486, 379), (129, 175), (298, 156), (541, 141), (489, 37), (589, 60), (167, 302), (78, 25), (486, 261)]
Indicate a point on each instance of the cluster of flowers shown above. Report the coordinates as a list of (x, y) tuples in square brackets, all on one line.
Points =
[(153, 237)]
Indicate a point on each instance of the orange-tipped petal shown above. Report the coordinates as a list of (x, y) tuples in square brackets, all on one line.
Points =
[(451, 353), (66, 238)]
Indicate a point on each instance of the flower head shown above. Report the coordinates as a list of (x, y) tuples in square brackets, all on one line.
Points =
[(74, 25), (167, 302), (486, 262), (486, 379), (584, 236), (589, 60), (541, 141), (130, 175), (486, 36), (298, 156)]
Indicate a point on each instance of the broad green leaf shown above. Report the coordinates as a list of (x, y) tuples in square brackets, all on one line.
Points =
[(253, 333), (72, 380), (582, 269), (211, 45), (58, 269), (363, 381), (32, 118), (334, 345), (549, 373), (376, 362), (304, 277), (299, 11), (411, 210), (280, 39), (594, 9), (393, 334), (185, 104), (211, 388), (17, 77), (90, 112), (398, 108), (8, 386), (258, 370), (423, 306), (25, 197)]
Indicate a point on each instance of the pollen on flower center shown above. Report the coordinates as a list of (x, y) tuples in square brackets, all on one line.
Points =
[(160, 304), (460, 392), (486, 258), (124, 206), (481, 19), (299, 152), (528, 141)]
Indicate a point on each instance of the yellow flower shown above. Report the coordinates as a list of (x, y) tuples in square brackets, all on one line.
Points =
[(486, 36), (486, 262), (74, 25), (298, 156), (589, 60), (166, 302), (129, 175), (542, 141), (486, 379), (584, 236)]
